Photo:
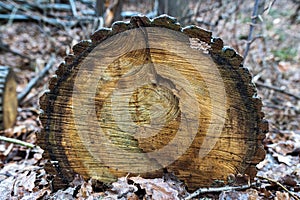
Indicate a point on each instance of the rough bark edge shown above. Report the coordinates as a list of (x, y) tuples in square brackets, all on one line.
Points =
[(221, 54)]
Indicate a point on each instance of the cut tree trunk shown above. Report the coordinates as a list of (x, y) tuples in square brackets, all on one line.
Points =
[(8, 98), (147, 97)]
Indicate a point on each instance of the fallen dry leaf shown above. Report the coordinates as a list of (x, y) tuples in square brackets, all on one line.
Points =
[(6, 188), (249, 194), (282, 196), (156, 188)]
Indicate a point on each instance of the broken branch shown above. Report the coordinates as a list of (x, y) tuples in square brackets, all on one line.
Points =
[(277, 89)]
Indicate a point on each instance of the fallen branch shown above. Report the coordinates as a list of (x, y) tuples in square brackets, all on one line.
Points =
[(91, 2), (56, 6), (73, 7), (36, 79), (26, 14), (218, 189), (277, 89), (280, 185), (6, 48), (51, 21)]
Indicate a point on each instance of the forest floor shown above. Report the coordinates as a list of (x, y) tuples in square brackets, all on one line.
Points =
[(273, 59)]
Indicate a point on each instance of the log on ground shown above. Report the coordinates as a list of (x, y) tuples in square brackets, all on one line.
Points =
[(8, 98)]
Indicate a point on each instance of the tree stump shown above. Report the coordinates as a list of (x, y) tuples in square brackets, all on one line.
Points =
[(8, 98), (150, 96)]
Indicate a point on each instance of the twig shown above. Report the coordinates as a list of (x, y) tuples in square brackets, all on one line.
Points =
[(268, 8), (280, 185), (12, 11), (11, 19), (73, 7), (255, 38), (6, 6), (16, 141), (87, 2), (56, 6), (218, 189), (36, 79), (277, 89), (8, 149), (295, 15), (6, 48), (28, 14), (42, 7), (16, 17), (253, 22), (51, 21)]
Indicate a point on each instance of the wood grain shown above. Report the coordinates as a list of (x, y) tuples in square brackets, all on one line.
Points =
[(149, 96)]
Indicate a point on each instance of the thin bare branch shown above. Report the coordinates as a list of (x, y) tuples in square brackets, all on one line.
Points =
[(36, 79), (252, 25), (73, 7), (277, 89), (280, 185), (6, 48)]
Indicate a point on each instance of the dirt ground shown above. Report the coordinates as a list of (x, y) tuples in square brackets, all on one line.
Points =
[(273, 59)]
